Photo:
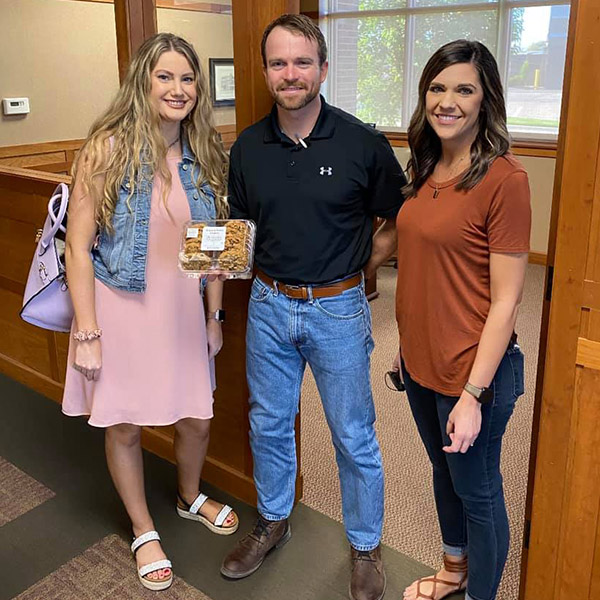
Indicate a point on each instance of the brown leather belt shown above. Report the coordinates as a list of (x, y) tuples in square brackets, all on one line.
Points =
[(318, 291)]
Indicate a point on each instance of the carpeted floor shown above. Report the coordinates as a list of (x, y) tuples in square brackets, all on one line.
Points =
[(19, 493), (103, 572), (410, 519)]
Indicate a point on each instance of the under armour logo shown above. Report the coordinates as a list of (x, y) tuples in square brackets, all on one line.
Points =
[(326, 171)]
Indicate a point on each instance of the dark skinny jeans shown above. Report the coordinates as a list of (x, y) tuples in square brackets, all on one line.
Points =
[(468, 487)]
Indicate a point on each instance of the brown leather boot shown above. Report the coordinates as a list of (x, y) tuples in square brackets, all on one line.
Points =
[(368, 577), (251, 550)]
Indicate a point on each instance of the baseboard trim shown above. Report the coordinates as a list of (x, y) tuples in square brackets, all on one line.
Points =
[(32, 379), (538, 258)]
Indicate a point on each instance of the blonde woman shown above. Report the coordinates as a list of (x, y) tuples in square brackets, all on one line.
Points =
[(141, 350)]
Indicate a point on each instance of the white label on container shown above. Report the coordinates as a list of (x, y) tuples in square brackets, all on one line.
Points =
[(213, 238), (192, 232)]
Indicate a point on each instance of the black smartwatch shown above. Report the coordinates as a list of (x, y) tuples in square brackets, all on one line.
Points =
[(482, 395), (218, 315)]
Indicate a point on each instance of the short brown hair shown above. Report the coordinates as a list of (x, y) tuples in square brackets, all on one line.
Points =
[(300, 25)]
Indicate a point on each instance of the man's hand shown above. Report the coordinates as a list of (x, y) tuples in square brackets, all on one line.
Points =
[(464, 424), (384, 245)]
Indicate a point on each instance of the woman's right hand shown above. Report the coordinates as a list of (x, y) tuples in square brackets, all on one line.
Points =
[(394, 377), (88, 358)]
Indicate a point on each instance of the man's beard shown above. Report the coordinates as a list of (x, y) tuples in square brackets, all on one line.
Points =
[(296, 103)]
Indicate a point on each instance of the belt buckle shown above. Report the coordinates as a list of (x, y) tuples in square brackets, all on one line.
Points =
[(299, 288)]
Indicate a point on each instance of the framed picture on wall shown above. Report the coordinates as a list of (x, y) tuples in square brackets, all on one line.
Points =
[(222, 83)]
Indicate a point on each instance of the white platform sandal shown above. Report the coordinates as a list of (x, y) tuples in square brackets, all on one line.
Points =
[(159, 584), (191, 511)]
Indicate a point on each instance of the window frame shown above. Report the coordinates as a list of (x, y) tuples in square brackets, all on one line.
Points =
[(526, 144)]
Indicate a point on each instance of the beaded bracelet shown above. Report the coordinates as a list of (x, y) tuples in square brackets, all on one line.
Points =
[(85, 335)]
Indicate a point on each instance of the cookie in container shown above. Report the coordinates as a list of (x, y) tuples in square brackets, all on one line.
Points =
[(221, 246)]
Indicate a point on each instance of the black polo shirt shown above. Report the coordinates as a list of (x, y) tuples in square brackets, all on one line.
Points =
[(314, 206)]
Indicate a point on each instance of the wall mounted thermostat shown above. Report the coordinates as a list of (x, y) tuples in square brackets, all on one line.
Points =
[(15, 106)]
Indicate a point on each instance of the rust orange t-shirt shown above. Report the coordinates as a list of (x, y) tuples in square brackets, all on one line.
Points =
[(443, 290)]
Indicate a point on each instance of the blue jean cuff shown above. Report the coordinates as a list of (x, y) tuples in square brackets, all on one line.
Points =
[(271, 517), (364, 547), (451, 550)]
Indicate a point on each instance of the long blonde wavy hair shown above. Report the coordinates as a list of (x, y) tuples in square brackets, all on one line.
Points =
[(137, 149)]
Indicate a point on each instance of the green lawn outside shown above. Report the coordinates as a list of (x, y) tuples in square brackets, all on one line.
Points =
[(532, 122)]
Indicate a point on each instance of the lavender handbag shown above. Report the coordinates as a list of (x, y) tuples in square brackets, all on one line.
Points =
[(47, 302)]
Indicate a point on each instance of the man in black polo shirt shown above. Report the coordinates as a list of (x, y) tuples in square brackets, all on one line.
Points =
[(312, 178)]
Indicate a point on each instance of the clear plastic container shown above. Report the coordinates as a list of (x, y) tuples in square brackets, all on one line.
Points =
[(221, 246)]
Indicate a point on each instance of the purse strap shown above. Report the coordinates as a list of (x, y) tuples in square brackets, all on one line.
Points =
[(60, 193)]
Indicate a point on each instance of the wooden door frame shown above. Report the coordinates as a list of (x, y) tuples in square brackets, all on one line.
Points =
[(135, 22), (558, 542)]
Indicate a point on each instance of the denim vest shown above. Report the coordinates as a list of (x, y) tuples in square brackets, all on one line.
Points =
[(119, 258)]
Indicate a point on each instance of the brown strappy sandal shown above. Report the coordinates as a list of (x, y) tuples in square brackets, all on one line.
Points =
[(460, 566)]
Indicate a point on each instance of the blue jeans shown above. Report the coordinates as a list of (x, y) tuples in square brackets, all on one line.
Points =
[(468, 487), (332, 335)]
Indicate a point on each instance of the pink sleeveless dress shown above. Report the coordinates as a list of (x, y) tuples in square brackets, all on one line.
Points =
[(155, 367)]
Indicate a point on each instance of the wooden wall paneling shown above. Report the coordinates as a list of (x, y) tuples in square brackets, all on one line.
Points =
[(564, 505), (595, 585), (35, 160), (27, 345), (592, 272), (58, 156), (250, 17), (61, 343), (584, 325), (580, 512), (591, 294), (591, 284), (39, 148), (228, 135), (53, 157), (538, 258), (135, 23), (27, 353), (593, 329), (588, 353), (32, 378)]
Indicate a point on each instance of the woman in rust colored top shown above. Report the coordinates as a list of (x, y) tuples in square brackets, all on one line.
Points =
[(463, 239)]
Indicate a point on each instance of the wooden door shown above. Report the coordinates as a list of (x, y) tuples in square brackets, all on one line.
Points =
[(562, 561)]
